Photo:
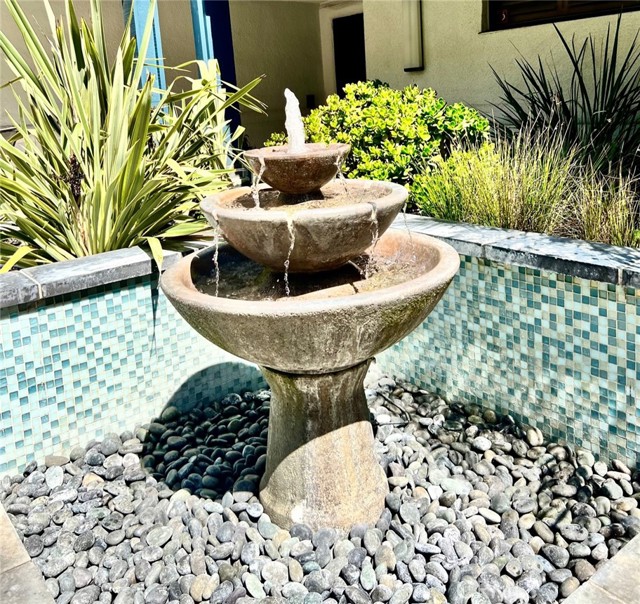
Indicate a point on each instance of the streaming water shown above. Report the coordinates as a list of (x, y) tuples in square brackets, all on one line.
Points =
[(255, 193), (340, 176), (292, 238), (216, 264), (361, 269), (375, 231), (406, 226)]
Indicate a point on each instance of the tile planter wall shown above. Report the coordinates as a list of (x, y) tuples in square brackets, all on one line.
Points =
[(545, 330), (89, 359), (556, 351)]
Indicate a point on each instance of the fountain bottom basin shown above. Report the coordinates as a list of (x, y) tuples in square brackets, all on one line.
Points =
[(314, 347), (330, 321)]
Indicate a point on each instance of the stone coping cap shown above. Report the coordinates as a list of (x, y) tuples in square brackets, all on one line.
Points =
[(615, 582), (587, 260), (58, 278), (21, 582), (584, 259)]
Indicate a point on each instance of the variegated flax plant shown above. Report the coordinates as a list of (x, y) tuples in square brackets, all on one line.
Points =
[(101, 160)]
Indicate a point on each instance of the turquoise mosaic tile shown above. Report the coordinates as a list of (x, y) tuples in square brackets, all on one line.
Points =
[(554, 351), (78, 366)]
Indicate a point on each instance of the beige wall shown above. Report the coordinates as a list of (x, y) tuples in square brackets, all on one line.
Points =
[(457, 55), (281, 39), (178, 45), (34, 9)]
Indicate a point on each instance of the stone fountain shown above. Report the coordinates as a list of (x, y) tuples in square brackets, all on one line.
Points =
[(310, 286)]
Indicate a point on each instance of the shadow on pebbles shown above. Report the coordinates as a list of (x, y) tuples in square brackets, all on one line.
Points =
[(481, 511)]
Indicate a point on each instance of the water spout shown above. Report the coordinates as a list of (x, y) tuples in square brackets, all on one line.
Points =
[(293, 123)]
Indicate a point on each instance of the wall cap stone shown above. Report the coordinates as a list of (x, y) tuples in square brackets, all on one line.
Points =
[(587, 260), (58, 278), (574, 257)]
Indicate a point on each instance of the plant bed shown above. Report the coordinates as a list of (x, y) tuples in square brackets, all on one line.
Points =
[(531, 183), (480, 507)]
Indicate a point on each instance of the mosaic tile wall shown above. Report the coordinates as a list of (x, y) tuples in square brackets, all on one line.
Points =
[(103, 360), (554, 351)]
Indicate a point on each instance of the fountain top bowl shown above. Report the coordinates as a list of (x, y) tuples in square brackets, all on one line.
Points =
[(298, 173)]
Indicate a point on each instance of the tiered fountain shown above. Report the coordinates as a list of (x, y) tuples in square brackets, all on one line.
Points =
[(310, 287)]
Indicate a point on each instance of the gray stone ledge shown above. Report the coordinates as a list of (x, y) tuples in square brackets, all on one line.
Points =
[(593, 261), (48, 280), (15, 288), (21, 582), (615, 582)]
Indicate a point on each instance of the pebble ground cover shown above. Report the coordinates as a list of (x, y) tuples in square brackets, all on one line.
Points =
[(480, 510)]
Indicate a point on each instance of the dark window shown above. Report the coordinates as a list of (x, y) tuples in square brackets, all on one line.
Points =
[(506, 14)]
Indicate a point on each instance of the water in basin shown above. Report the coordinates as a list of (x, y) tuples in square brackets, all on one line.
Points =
[(239, 278), (333, 195)]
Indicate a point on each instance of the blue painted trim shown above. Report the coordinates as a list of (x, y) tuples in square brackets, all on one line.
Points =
[(202, 35), (222, 40), (154, 57)]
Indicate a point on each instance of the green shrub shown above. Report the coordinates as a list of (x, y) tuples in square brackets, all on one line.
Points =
[(595, 110), (98, 162), (391, 132), (530, 183)]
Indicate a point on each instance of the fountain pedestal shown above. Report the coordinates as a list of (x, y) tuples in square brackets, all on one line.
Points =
[(321, 467)]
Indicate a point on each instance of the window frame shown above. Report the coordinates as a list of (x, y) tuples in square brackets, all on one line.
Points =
[(602, 9)]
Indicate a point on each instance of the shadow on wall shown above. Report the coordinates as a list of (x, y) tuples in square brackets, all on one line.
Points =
[(210, 443), (213, 383)]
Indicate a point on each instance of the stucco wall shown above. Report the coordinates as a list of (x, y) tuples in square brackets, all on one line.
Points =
[(35, 11), (281, 39), (457, 54), (178, 46)]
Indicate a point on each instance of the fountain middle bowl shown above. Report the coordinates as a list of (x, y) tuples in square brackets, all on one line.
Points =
[(318, 234), (328, 330)]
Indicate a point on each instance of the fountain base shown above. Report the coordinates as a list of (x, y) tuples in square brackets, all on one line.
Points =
[(321, 467)]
